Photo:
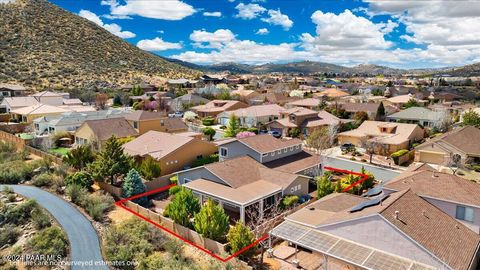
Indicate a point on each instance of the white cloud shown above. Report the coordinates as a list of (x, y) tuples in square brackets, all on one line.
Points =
[(112, 28), (262, 31), (156, 9), (277, 18), (6, 1), (212, 14), (116, 17), (249, 11), (157, 44), (217, 39)]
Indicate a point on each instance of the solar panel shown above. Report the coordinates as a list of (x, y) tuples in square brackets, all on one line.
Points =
[(368, 203), (290, 231), (350, 251), (374, 191), (379, 260), (317, 241)]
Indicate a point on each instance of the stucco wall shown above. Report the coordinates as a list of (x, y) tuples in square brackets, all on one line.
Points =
[(451, 209), (293, 189), (236, 148), (196, 174), (185, 155), (282, 154)]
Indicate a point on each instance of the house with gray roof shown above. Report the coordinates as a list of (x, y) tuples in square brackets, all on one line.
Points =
[(417, 115)]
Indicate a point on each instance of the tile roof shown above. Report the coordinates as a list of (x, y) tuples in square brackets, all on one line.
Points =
[(294, 163), (39, 109), (360, 107), (333, 93), (144, 115), (465, 139), (218, 105), (307, 102), (417, 113), (372, 129), (105, 128), (20, 101), (442, 186), (156, 144), (175, 124), (265, 143), (257, 111)]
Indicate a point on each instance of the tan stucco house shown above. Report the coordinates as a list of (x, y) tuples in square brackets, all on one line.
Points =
[(144, 121), (97, 132), (174, 152)]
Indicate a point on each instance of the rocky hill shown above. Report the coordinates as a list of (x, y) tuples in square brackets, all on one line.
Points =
[(42, 45)]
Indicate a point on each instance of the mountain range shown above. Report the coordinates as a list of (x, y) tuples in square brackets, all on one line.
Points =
[(45, 46)]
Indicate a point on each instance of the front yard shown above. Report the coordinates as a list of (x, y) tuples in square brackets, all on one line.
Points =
[(59, 151)]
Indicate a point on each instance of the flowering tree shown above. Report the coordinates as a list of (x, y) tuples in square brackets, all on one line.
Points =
[(296, 93), (151, 105), (245, 134), (189, 116)]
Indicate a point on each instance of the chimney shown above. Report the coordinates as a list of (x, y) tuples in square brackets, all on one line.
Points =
[(396, 214)]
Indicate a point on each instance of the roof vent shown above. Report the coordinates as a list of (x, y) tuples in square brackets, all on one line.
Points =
[(424, 213), (396, 214), (311, 208)]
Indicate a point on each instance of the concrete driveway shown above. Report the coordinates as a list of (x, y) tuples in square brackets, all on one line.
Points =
[(85, 250)]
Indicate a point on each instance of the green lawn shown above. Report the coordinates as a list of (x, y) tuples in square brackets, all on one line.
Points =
[(60, 151), (26, 136)]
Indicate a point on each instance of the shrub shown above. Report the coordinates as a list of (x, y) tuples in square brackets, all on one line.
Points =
[(20, 213), (240, 236), (211, 221), (49, 241), (174, 190), (183, 207), (208, 121), (15, 171), (7, 190), (324, 185), (8, 235), (42, 180), (289, 201), (253, 129), (40, 219), (395, 156), (132, 186), (81, 178), (352, 158), (206, 160), (97, 205), (76, 193), (149, 168), (11, 197)]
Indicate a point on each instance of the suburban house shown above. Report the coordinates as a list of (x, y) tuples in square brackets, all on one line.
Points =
[(309, 103), (28, 114), (418, 115), (12, 103), (303, 119), (97, 132), (277, 98), (442, 149), (181, 83), (144, 121), (212, 79), (390, 231), (384, 137), (215, 107), (49, 98), (280, 154), (241, 183), (186, 101), (332, 93), (12, 90), (352, 108), (71, 121), (456, 196), (252, 116), (399, 101), (174, 152), (247, 96)]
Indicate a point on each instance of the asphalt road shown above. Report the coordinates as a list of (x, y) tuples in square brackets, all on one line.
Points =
[(380, 173), (84, 243)]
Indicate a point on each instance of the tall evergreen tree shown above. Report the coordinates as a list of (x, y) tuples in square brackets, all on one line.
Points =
[(149, 168), (324, 186), (211, 221), (79, 157), (111, 162), (232, 127), (239, 237), (183, 207), (132, 186), (380, 116)]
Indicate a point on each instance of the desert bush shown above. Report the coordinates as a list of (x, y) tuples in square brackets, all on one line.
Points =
[(97, 205), (174, 190), (76, 193), (42, 180), (289, 201), (20, 213), (8, 235), (209, 121), (11, 197), (81, 178), (49, 241), (40, 219), (15, 172)]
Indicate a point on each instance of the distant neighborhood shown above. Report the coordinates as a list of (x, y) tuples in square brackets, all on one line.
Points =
[(240, 157)]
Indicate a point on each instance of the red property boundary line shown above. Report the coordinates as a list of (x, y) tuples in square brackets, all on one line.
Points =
[(264, 237)]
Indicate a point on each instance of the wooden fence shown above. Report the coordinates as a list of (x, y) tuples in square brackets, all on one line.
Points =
[(184, 232), (8, 137), (43, 154), (113, 190)]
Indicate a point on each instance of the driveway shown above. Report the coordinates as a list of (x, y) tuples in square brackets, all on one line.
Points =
[(84, 244)]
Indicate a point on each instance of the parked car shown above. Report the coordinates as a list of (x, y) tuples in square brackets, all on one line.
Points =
[(304, 198), (275, 134), (346, 147), (175, 114)]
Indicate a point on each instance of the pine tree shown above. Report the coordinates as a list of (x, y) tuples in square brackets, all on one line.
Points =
[(150, 169), (132, 186), (233, 126), (111, 162), (211, 221), (239, 237), (183, 207), (324, 186), (380, 112)]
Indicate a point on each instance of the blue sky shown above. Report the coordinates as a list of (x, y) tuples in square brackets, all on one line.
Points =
[(406, 34)]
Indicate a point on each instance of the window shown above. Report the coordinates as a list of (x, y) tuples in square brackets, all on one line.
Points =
[(272, 154), (285, 150), (464, 213), (291, 148), (162, 122), (279, 152), (264, 154), (135, 124), (223, 152), (298, 147), (199, 157)]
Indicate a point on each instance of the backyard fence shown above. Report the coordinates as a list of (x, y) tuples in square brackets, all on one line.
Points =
[(43, 154), (8, 137), (111, 189), (180, 230)]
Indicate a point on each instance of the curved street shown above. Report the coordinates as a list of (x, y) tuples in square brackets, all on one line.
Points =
[(85, 252)]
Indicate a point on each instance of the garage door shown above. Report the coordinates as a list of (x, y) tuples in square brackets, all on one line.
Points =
[(431, 157)]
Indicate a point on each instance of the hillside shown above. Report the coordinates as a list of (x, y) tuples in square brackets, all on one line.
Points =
[(44, 45)]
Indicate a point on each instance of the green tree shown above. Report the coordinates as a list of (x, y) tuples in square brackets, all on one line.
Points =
[(111, 162), (224, 95), (210, 132), (380, 116), (294, 132), (324, 185), (183, 207), (411, 103), (82, 178), (368, 183), (149, 168), (50, 241), (360, 117), (132, 186), (211, 221), (471, 118), (79, 157), (117, 100), (338, 186), (240, 236), (233, 126)]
